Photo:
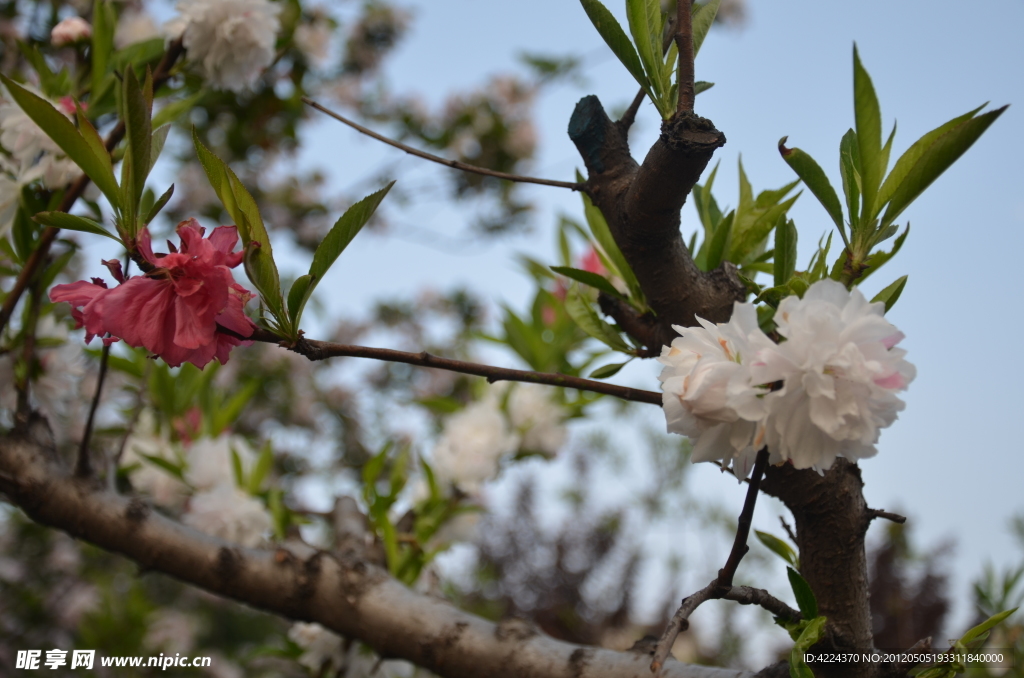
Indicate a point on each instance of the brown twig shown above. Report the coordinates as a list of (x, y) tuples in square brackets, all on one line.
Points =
[(28, 354), (680, 622), (629, 117), (722, 586), (684, 41), (454, 164), (83, 466), (75, 191), (788, 529), (321, 350), (748, 595), (880, 513)]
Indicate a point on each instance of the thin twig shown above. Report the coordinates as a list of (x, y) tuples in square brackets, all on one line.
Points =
[(722, 586), (454, 164), (74, 192), (880, 513), (789, 530), (28, 355), (680, 622), (748, 595), (739, 545), (83, 467), (321, 350), (684, 40), (629, 117)]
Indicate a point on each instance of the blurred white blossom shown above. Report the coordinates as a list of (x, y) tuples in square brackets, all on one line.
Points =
[(134, 26), (320, 646), (231, 40), (33, 154), (229, 513), (210, 463), (145, 441), (472, 444), (70, 31), (537, 417)]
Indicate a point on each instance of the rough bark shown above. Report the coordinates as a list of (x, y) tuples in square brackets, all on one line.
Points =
[(831, 521), (345, 591), (642, 203)]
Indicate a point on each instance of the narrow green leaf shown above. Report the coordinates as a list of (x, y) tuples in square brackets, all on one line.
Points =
[(579, 309), (617, 41), (139, 133), (849, 168), (65, 135), (156, 146), (877, 259), (48, 83), (777, 546), (891, 293), (814, 178), (910, 157), (810, 635), (868, 121), (72, 222), (702, 17), (603, 234), (137, 55), (298, 295), (805, 599), (158, 205), (989, 623), (935, 159), (719, 242), (174, 110), (262, 468), (217, 173), (344, 230), (702, 86), (588, 278), (606, 371), (648, 46), (92, 137), (103, 26), (785, 250)]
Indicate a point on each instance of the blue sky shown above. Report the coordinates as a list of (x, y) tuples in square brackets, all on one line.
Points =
[(953, 462)]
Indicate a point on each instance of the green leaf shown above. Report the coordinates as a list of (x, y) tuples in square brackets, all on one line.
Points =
[(588, 278), (778, 547), (65, 135), (645, 26), (983, 627), (876, 259), (805, 599), (942, 151), (103, 26), (785, 250), (617, 41), (298, 295), (603, 234), (868, 121), (92, 137), (580, 310), (701, 86), (849, 168), (259, 472), (174, 110), (606, 371), (814, 178), (72, 222), (137, 55), (158, 205), (156, 146), (236, 467), (344, 230), (702, 18), (164, 464), (717, 245), (891, 293), (139, 132), (810, 635)]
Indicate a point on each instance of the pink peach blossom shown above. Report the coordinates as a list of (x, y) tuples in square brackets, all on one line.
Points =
[(175, 308)]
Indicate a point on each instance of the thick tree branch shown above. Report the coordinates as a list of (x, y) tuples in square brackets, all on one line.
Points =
[(831, 521), (642, 205), (322, 350), (340, 591), (454, 164), (162, 73), (645, 328)]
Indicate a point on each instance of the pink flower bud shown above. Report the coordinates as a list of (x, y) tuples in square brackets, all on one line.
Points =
[(69, 31)]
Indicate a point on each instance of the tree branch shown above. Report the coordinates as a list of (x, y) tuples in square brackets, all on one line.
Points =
[(75, 191), (645, 328), (739, 544), (642, 204), (343, 592), (454, 164), (684, 41), (322, 350), (83, 466), (680, 622)]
